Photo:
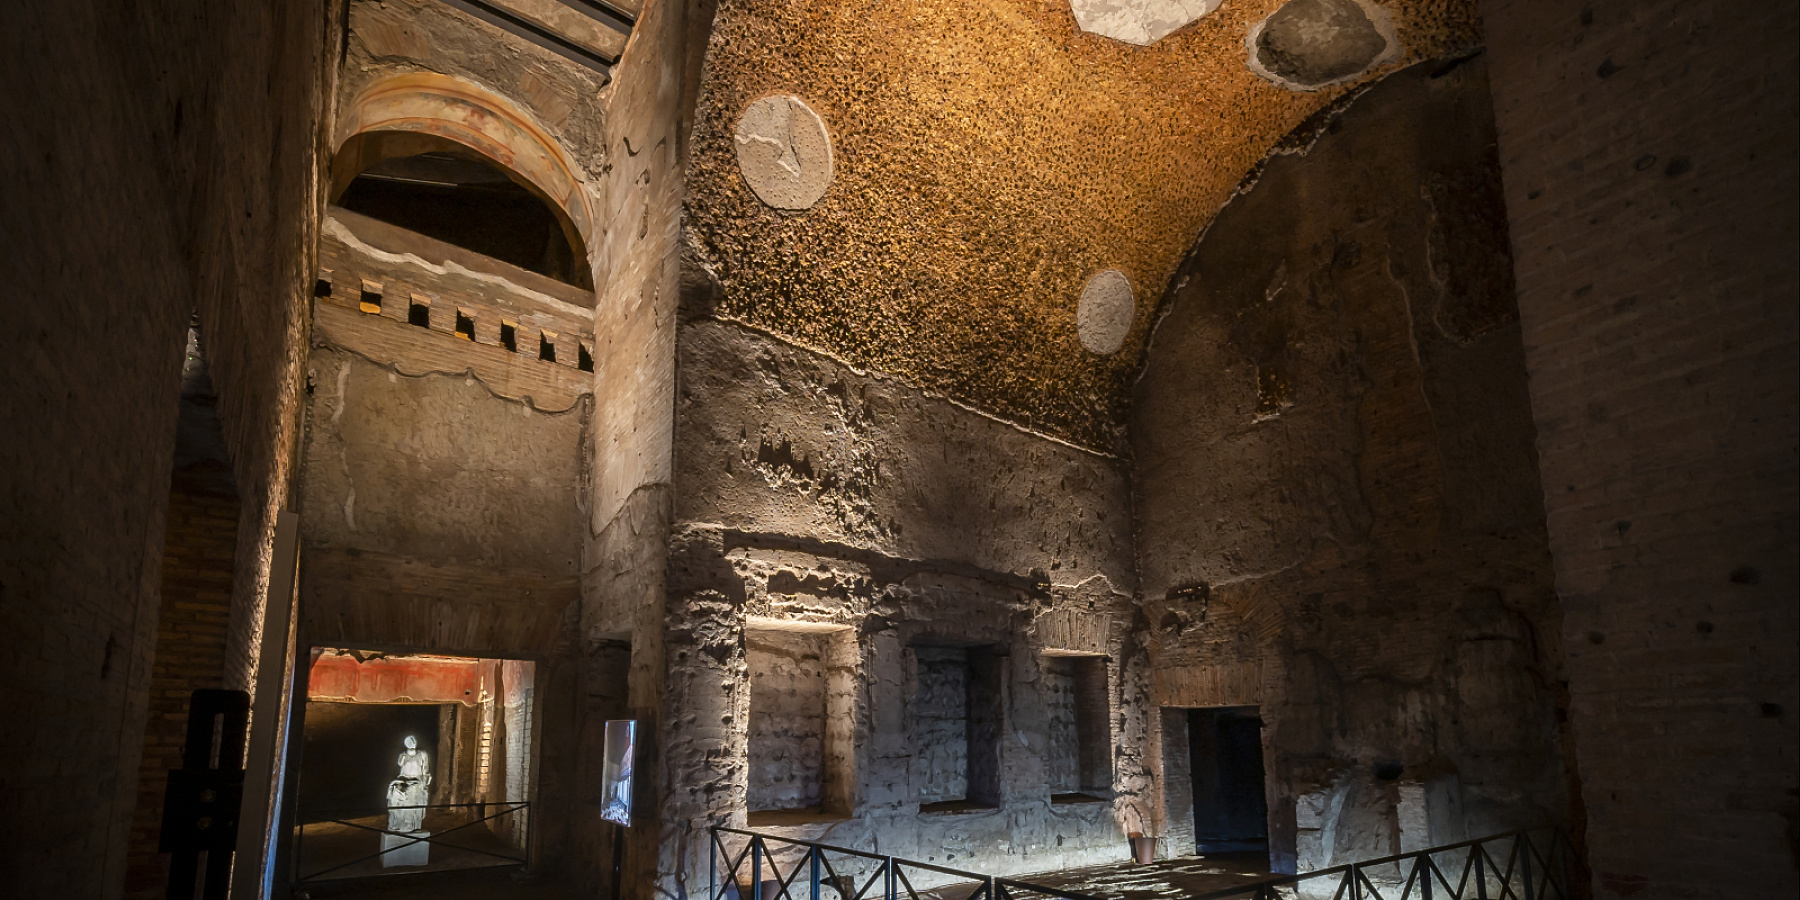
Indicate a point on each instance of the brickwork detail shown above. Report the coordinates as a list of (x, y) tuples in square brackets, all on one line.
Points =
[(191, 631), (1648, 154)]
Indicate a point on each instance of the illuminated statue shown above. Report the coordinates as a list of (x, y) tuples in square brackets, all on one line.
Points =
[(411, 789)]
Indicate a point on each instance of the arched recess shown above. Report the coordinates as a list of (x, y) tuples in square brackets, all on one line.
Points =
[(418, 113)]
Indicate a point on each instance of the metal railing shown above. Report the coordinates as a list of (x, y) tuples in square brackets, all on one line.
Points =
[(1511, 866), (484, 812), (1526, 868), (866, 869)]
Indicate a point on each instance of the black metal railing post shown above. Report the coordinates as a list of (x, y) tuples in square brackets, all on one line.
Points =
[(756, 889), (814, 857), (1523, 843)]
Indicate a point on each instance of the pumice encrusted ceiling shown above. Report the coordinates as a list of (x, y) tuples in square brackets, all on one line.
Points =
[(988, 158)]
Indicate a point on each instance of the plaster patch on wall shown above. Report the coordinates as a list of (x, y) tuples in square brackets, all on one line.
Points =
[(1105, 313), (1309, 44), (1141, 22), (784, 152)]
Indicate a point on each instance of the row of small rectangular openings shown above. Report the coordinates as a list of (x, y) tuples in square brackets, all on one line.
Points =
[(801, 736), (418, 313)]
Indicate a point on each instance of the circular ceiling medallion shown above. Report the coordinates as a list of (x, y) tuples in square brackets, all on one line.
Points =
[(784, 152), (1309, 44), (1104, 316)]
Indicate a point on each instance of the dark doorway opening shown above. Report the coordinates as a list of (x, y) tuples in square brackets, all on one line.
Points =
[(462, 199), (1231, 812), (351, 747)]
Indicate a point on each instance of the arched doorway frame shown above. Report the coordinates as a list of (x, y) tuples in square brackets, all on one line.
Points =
[(417, 112)]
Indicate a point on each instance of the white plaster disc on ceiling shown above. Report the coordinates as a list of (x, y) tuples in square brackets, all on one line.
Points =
[(784, 152), (1141, 22), (1104, 316)]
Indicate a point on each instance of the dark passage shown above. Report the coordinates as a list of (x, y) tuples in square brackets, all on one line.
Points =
[(1231, 813), (351, 751), (472, 204)]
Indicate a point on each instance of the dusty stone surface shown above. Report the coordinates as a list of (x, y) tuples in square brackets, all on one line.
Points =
[(1141, 22), (955, 550), (1308, 44), (1361, 555), (784, 152), (982, 176), (1106, 312)]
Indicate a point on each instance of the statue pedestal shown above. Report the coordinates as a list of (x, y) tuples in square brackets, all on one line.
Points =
[(412, 854)]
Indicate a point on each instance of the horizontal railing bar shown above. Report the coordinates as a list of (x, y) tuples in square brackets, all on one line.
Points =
[(1355, 870), (1285, 880), (942, 870), (350, 809)]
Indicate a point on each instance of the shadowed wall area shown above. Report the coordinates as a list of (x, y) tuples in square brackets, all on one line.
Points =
[(1012, 435), (1336, 488)]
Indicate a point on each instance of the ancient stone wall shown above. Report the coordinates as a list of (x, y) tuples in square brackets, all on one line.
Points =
[(1648, 152), (157, 162), (955, 551), (786, 740), (1335, 485), (637, 279)]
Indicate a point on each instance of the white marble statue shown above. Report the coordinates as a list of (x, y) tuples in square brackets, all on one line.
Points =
[(412, 788)]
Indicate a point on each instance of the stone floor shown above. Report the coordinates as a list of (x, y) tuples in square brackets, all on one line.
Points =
[(1167, 879), (350, 848)]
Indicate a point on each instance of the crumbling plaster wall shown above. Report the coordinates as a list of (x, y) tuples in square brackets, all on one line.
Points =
[(1338, 517), (989, 158), (157, 164), (810, 492), (637, 278), (1649, 157)]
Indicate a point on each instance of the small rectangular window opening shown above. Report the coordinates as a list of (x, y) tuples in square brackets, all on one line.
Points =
[(547, 346), (371, 297), (465, 325), (322, 286), (584, 358), (419, 312), (509, 336)]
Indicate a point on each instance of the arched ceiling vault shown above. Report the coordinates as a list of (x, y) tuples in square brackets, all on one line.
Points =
[(989, 157)]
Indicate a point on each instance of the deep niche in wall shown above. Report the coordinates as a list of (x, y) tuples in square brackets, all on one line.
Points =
[(802, 725), (956, 716)]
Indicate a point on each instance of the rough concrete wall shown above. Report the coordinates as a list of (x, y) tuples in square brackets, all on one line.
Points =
[(787, 719), (1648, 152), (126, 211), (1338, 516), (941, 726), (811, 493), (1064, 763), (440, 516), (636, 266)]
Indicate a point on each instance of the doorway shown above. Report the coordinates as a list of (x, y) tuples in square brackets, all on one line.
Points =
[(412, 762), (1231, 811)]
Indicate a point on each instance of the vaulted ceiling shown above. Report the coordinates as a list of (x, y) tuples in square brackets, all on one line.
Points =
[(989, 158)]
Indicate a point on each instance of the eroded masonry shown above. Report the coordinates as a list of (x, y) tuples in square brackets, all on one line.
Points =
[(627, 444)]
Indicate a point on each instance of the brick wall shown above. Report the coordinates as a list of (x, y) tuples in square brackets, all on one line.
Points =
[(156, 162), (1649, 153), (191, 627)]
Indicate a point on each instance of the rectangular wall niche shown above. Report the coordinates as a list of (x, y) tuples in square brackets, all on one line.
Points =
[(957, 724), (802, 728), (1075, 695)]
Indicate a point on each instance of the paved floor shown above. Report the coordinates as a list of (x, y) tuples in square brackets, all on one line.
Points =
[(1168, 879)]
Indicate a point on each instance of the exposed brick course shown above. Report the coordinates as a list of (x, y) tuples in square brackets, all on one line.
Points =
[(1649, 158)]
